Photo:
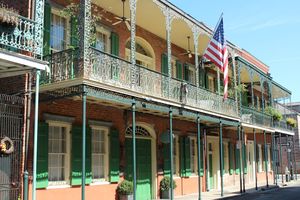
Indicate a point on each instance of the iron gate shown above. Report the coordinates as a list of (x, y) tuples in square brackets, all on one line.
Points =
[(11, 120)]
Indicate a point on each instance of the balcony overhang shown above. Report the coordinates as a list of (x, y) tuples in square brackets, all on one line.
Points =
[(251, 126), (14, 64), (284, 132)]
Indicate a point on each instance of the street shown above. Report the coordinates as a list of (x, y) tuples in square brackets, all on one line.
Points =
[(289, 192)]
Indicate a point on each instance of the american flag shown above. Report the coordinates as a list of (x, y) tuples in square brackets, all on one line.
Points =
[(217, 53)]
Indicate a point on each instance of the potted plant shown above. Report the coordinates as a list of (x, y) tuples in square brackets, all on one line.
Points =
[(164, 186), (125, 190), (291, 122), (276, 115)]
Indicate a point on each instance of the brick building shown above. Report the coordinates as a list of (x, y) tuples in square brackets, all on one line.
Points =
[(113, 79)]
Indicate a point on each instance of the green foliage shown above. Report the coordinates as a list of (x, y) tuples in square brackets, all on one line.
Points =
[(292, 122), (277, 116), (125, 187), (165, 184)]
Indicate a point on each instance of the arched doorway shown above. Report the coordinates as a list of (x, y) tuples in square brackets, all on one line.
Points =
[(145, 158)]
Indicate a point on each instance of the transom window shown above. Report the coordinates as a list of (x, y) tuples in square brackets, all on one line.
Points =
[(144, 53), (99, 153), (139, 130), (58, 32), (58, 158)]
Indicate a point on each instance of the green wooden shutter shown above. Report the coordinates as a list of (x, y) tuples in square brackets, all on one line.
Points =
[(245, 98), (187, 156), (201, 77), (114, 44), (166, 154), (164, 64), (181, 154), (76, 162), (74, 32), (186, 72), (206, 81), (114, 156), (245, 159), (237, 160), (263, 157), (47, 26), (201, 159), (42, 156), (230, 156), (257, 153), (223, 158), (88, 156), (178, 69)]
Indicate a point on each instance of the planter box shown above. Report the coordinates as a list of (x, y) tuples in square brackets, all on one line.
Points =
[(125, 197), (165, 194)]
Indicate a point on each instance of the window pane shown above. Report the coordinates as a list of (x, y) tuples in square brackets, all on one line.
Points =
[(98, 154), (58, 33)]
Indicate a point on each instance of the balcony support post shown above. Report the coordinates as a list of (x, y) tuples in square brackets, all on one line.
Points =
[(234, 79), (171, 152), (287, 146), (221, 157), (134, 75), (262, 88), (196, 34), (83, 174), (243, 157), (133, 108), (35, 132), (266, 158), (281, 163), (199, 156), (255, 157), (206, 160), (273, 158), (240, 92), (169, 19), (270, 92), (252, 89), (240, 167), (294, 158), (39, 26)]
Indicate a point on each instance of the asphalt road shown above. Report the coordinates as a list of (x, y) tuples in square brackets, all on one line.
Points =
[(288, 192)]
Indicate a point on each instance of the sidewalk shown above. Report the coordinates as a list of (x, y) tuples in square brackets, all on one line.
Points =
[(231, 192)]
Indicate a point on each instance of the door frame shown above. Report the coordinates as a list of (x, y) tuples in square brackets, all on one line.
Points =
[(150, 129), (250, 149)]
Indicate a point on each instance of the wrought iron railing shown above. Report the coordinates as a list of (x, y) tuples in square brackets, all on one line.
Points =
[(114, 71), (252, 116), (282, 125), (18, 37), (63, 66)]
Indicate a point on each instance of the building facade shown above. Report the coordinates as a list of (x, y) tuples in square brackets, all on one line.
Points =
[(128, 96)]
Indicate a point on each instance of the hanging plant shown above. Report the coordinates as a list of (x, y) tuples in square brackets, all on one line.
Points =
[(276, 115), (8, 16), (72, 10), (6, 146), (292, 122)]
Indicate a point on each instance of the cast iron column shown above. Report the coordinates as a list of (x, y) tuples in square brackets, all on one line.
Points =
[(221, 157), (281, 163), (243, 159), (199, 157), (133, 149), (266, 158), (255, 158), (238, 146), (35, 132), (83, 143), (171, 154)]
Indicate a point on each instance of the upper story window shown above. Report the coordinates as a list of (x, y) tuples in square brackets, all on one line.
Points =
[(59, 39), (144, 53), (58, 153), (102, 39), (190, 75), (211, 83)]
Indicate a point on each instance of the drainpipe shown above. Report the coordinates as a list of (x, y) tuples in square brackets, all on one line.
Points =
[(199, 157), (242, 163), (294, 155), (273, 157), (206, 160), (171, 153), (221, 157), (255, 157), (35, 140), (134, 149)]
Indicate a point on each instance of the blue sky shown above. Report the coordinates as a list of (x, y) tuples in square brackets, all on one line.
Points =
[(270, 30)]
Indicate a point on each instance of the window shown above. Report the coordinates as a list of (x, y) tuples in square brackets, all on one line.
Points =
[(211, 83), (173, 67), (269, 156), (193, 154), (58, 32), (58, 153), (99, 153), (260, 167), (191, 74), (102, 39)]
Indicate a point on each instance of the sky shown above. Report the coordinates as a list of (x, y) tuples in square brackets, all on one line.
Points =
[(268, 29)]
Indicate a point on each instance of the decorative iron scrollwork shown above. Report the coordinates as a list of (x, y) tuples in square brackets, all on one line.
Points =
[(6, 146)]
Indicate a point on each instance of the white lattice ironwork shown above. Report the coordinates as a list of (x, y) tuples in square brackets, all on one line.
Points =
[(139, 131)]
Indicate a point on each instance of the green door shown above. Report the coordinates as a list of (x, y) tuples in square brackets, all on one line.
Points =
[(211, 177), (143, 167)]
